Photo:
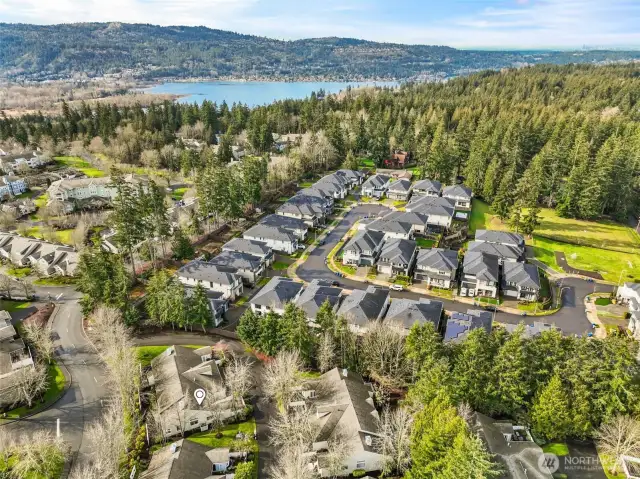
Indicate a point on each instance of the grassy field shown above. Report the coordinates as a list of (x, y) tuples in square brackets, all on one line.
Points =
[(279, 265), (229, 431), (11, 306), (19, 272), (147, 353), (367, 163), (178, 193), (557, 448), (55, 379), (79, 164), (41, 201), (425, 243), (581, 242), (61, 236)]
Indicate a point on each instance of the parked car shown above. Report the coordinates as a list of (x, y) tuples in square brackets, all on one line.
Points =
[(335, 283), (396, 287), (302, 247)]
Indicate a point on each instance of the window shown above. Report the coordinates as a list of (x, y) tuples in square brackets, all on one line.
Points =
[(193, 422), (360, 465)]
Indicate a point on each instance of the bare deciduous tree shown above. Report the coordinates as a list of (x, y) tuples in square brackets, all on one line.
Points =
[(26, 287), (79, 234), (292, 464), (7, 220), (108, 441), (383, 351), (394, 440), (281, 377), (326, 352), (39, 455), (619, 437), (29, 384), (293, 428), (465, 411), (6, 285), (40, 337), (239, 377)]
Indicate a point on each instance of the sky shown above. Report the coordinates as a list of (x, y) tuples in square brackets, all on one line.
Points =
[(504, 24)]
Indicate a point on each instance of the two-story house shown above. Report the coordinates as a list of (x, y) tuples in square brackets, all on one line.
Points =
[(363, 249), (461, 194), (278, 239), (376, 186), (629, 294), (505, 253), (274, 296), (399, 190), (521, 281), (427, 188), (439, 211), (255, 248), (317, 293), (353, 177), (480, 275), (212, 278), (12, 186), (14, 356), (363, 306), (459, 325), (436, 267), (397, 257), (249, 267), (513, 244), (408, 312), (293, 225), (310, 209)]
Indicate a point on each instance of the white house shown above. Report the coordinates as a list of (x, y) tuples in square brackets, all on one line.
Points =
[(461, 194), (278, 239), (376, 186), (211, 278), (275, 295), (629, 294), (364, 248), (12, 186)]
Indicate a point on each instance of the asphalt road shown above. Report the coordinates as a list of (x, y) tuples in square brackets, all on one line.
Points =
[(571, 318), (81, 404)]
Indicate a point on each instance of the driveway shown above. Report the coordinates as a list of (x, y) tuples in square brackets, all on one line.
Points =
[(571, 318)]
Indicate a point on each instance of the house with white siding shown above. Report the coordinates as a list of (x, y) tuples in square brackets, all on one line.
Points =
[(376, 186), (436, 267), (363, 249), (276, 238), (461, 194), (480, 275), (274, 296), (212, 278)]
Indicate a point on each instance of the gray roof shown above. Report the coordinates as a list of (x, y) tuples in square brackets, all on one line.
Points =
[(189, 461), (204, 271), (390, 226), (398, 251), (270, 233), (499, 250), (531, 330), (7, 331), (235, 260), (284, 222), (376, 181), (501, 237), (408, 312), (432, 205), (460, 324), (409, 217), (428, 185), (277, 292), (481, 265), (365, 241), (457, 191), (242, 245), (360, 306), (438, 258), (315, 294), (303, 205), (400, 186), (350, 174), (215, 298), (522, 274)]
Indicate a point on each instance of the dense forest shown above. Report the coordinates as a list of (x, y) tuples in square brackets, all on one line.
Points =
[(45, 52), (561, 136)]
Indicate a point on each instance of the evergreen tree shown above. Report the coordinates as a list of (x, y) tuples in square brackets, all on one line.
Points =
[(515, 221), (550, 412), (530, 221), (469, 375), (297, 333), (351, 162), (181, 246), (249, 328), (199, 308), (271, 338)]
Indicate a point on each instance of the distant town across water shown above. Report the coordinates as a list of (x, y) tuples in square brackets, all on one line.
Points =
[(252, 93)]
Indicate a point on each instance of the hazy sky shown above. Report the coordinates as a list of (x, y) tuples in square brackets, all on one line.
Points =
[(458, 23)]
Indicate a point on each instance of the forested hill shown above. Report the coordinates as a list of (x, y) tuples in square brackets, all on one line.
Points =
[(39, 52)]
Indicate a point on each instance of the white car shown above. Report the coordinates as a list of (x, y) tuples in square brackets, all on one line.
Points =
[(396, 287)]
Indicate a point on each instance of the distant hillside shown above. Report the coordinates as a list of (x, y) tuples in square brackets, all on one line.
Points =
[(35, 52)]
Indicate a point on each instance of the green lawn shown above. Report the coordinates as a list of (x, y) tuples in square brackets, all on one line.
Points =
[(178, 193), (147, 353), (425, 243), (606, 462), (19, 272), (79, 164), (262, 282), (56, 386), (487, 300), (603, 301), (347, 269), (61, 236), (55, 281), (41, 201), (557, 448), (367, 163), (306, 184), (229, 431), (11, 306), (241, 300), (279, 265)]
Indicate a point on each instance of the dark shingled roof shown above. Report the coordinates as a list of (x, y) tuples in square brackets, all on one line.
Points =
[(460, 324), (360, 306), (277, 292), (481, 265)]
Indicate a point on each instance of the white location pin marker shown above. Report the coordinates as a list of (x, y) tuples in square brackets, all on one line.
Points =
[(199, 394)]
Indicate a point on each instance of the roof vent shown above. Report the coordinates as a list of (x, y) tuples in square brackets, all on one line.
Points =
[(345, 373), (368, 441)]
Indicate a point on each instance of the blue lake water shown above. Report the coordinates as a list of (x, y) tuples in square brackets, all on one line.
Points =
[(252, 93)]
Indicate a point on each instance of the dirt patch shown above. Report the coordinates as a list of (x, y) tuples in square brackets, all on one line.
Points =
[(561, 259), (41, 316)]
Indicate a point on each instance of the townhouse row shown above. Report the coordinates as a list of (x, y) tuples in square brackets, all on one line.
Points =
[(47, 258)]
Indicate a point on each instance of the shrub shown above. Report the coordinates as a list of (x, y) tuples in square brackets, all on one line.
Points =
[(245, 470), (358, 473)]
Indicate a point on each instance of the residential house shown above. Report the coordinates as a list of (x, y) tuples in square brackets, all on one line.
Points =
[(353, 177), (249, 267), (218, 304), (514, 447), (335, 184), (14, 356), (439, 211), (175, 375), (321, 195), (412, 223), (376, 186), (397, 257), (436, 267), (49, 259), (31, 159), (461, 194), (427, 188), (399, 190), (212, 278), (12, 186), (459, 325), (310, 209), (521, 281), (531, 330), (345, 409), (82, 189), (252, 247), (407, 312), (364, 248), (19, 208), (187, 459), (276, 238), (315, 294), (274, 296), (293, 225), (399, 159), (505, 253), (514, 243), (363, 306), (629, 294), (480, 275)]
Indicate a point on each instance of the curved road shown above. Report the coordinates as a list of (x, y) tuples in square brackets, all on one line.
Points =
[(571, 318), (81, 403)]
